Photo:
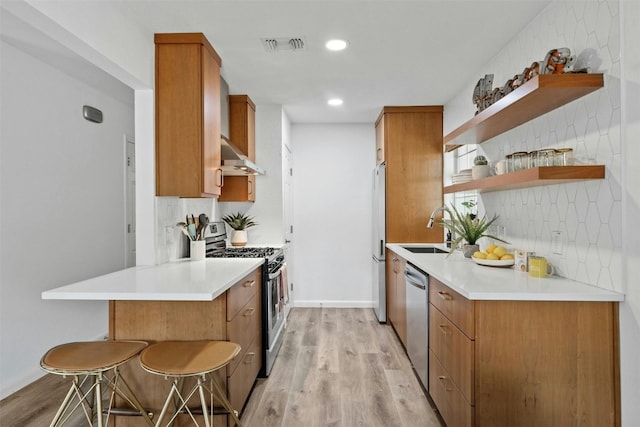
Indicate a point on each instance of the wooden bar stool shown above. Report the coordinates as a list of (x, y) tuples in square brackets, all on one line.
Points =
[(200, 359), (89, 363)]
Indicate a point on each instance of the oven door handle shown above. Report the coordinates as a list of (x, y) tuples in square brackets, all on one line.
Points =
[(275, 274)]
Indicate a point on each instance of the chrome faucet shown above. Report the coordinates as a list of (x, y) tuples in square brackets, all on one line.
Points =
[(433, 214)]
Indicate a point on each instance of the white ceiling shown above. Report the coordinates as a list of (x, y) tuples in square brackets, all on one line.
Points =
[(419, 52), (400, 52)]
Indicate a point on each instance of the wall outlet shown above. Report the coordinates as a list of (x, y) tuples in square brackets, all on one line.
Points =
[(556, 242)]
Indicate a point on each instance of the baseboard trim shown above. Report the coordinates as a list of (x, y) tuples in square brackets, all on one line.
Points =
[(7, 389), (332, 304)]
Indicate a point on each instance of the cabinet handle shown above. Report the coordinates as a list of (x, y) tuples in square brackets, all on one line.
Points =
[(219, 178), (249, 312), (444, 329), (379, 154), (250, 190), (445, 296), (442, 379), (248, 359), (249, 283)]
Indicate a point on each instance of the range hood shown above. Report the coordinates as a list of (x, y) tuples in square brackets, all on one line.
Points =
[(234, 163)]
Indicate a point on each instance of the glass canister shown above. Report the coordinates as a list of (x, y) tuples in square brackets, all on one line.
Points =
[(546, 157), (508, 163), (520, 160), (533, 158), (563, 157)]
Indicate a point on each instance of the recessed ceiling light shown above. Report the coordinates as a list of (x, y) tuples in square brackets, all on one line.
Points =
[(336, 44), (334, 102)]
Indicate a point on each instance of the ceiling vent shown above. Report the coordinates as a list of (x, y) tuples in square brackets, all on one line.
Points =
[(284, 44)]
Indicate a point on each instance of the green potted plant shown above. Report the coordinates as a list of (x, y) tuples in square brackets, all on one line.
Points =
[(468, 228), (480, 167), (239, 222)]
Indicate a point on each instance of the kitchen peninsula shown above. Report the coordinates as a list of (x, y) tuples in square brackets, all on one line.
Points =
[(509, 349), (216, 299)]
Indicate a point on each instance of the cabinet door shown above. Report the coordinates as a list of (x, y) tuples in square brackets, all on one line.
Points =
[(242, 132), (392, 306), (401, 301), (396, 295), (413, 153), (212, 174), (187, 116)]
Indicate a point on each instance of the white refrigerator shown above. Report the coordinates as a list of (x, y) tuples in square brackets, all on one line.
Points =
[(378, 244)]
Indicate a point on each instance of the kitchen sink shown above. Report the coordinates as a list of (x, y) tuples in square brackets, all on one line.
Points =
[(424, 250)]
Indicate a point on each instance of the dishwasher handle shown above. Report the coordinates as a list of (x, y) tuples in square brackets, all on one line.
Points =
[(416, 277)]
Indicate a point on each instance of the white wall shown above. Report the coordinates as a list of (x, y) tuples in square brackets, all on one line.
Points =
[(62, 213), (268, 206), (332, 214), (630, 309), (597, 218)]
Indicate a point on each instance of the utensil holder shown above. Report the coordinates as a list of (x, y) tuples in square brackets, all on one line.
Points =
[(197, 250)]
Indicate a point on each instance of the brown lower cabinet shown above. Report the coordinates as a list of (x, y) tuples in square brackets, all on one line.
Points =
[(523, 363), (234, 316), (396, 295)]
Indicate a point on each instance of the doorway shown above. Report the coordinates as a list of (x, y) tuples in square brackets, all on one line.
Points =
[(130, 202)]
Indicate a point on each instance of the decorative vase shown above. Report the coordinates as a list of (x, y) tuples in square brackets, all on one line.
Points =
[(469, 250), (480, 171), (238, 237)]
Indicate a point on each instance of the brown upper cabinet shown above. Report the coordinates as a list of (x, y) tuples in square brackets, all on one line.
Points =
[(187, 116), (409, 141), (242, 133)]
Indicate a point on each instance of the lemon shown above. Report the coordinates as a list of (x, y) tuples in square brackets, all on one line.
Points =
[(479, 255), (499, 251), (493, 257), (506, 256), (490, 248)]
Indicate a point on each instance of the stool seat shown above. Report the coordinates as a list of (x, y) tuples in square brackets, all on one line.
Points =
[(82, 357), (188, 358), (197, 359), (94, 366)]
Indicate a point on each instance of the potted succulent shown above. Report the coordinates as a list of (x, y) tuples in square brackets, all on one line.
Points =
[(468, 229), (480, 167), (239, 222)]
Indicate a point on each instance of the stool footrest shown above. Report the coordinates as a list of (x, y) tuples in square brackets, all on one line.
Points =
[(127, 412), (217, 410)]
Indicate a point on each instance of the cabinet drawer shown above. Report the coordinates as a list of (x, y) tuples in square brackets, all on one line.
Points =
[(241, 292), (453, 407), (453, 305), (244, 328), (240, 383), (454, 350)]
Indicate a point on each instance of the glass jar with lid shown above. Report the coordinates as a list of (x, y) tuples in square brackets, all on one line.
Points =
[(520, 160), (563, 157), (533, 158), (546, 157), (508, 163)]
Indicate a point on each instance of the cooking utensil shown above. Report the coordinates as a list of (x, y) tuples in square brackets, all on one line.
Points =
[(192, 231), (203, 220)]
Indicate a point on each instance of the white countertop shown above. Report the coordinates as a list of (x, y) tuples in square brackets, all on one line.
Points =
[(477, 282), (181, 280)]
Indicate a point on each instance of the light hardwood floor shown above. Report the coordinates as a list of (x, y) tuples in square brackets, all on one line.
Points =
[(339, 367), (336, 367)]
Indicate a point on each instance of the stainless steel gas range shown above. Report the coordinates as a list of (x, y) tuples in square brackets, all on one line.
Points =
[(275, 296)]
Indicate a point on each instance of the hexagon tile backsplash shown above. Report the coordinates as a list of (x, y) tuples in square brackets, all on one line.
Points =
[(577, 226)]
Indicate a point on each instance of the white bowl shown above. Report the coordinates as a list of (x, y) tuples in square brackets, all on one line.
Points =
[(494, 263)]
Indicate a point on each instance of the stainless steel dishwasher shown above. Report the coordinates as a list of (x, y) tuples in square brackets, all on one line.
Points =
[(418, 321)]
